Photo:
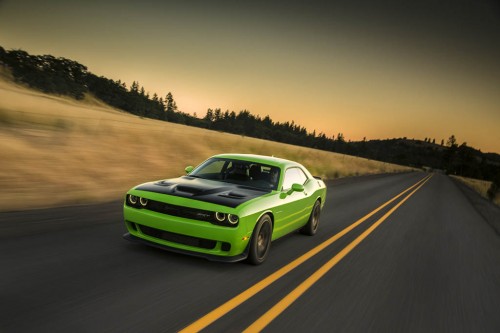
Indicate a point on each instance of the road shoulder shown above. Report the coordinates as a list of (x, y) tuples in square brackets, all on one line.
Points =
[(489, 211)]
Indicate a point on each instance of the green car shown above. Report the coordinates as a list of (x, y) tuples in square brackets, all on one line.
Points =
[(229, 208)]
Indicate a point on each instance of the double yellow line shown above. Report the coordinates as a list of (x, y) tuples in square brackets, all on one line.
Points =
[(277, 309)]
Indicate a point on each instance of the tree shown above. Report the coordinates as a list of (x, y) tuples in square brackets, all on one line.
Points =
[(217, 115), (340, 137), (169, 99), (452, 142), (134, 87), (171, 113), (494, 189), (2, 54), (209, 116)]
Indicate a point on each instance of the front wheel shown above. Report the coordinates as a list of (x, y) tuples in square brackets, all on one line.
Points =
[(261, 241), (312, 225)]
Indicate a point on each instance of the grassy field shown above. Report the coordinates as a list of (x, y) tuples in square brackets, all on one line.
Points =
[(58, 151), (480, 186)]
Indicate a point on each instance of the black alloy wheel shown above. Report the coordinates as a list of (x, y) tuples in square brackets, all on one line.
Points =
[(261, 241), (312, 225)]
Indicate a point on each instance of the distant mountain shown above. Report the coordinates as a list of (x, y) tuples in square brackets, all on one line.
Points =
[(67, 77)]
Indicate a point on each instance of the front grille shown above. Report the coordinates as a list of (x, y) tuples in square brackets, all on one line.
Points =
[(180, 211), (178, 238)]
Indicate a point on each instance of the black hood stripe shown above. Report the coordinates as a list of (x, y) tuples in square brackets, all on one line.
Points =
[(224, 194)]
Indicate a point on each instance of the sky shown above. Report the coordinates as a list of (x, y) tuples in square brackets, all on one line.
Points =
[(374, 69)]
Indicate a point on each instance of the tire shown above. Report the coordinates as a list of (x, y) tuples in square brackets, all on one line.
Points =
[(312, 225), (261, 241)]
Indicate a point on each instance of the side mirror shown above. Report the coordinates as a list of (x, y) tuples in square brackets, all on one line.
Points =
[(188, 169), (297, 187)]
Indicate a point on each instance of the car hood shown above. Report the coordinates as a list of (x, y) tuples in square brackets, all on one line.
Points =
[(220, 193)]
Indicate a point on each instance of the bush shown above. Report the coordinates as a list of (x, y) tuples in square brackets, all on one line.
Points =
[(493, 190)]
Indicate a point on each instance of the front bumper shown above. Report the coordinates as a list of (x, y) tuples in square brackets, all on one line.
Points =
[(208, 256), (184, 235)]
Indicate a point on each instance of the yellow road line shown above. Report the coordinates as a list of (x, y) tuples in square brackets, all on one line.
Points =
[(220, 311), (279, 307)]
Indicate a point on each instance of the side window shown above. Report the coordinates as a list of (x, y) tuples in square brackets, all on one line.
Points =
[(292, 176)]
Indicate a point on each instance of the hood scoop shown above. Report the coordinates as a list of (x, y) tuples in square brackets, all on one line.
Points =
[(188, 189), (233, 195), (164, 183)]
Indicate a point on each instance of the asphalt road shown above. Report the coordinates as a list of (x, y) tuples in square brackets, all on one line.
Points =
[(431, 265)]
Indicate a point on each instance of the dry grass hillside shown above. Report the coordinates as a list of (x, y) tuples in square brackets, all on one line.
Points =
[(58, 151), (480, 186)]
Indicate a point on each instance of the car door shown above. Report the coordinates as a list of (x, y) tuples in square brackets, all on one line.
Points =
[(294, 209)]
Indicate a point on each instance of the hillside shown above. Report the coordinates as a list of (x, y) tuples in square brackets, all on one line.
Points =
[(65, 77), (57, 150)]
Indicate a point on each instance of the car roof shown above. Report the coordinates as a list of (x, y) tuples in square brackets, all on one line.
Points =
[(269, 160)]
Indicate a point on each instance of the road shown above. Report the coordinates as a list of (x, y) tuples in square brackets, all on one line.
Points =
[(426, 262)]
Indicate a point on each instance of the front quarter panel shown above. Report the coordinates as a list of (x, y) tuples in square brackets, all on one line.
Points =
[(289, 211)]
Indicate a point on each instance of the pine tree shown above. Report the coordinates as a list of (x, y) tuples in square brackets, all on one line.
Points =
[(134, 87), (209, 116), (452, 141), (170, 103)]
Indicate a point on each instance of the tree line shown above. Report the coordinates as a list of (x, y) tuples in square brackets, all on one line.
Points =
[(63, 76), (67, 77)]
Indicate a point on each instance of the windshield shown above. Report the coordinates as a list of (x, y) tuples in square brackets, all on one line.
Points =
[(239, 172)]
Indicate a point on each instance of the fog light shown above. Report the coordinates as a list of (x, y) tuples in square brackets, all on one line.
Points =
[(225, 246)]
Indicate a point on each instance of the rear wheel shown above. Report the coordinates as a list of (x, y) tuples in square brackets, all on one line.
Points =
[(312, 225), (261, 241)]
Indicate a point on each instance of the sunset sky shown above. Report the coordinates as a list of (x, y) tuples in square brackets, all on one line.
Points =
[(374, 69)]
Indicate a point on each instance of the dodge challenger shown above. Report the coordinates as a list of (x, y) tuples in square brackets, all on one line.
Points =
[(229, 208)]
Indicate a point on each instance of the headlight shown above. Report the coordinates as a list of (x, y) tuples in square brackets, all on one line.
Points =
[(233, 219), (132, 199), (143, 202), (220, 216)]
